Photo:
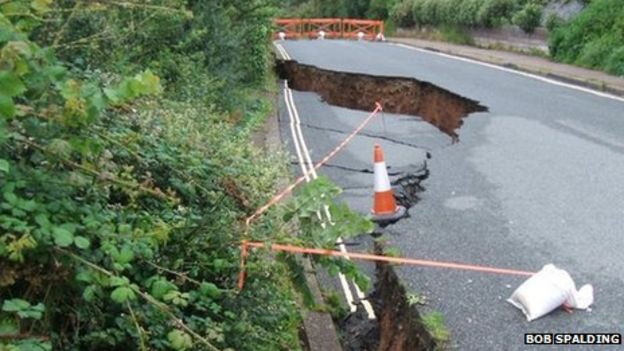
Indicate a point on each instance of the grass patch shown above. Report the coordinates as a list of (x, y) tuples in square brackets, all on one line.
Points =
[(298, 279), (434, 322), (334, 305), (456, 35)]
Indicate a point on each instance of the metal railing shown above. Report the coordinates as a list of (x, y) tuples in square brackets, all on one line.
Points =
[(329, 28)]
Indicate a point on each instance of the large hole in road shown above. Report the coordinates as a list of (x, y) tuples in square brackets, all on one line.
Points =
[(399, 326), (358, 91)]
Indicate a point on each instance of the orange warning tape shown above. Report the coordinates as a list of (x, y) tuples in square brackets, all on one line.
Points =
[(369, 257), (333, 153)]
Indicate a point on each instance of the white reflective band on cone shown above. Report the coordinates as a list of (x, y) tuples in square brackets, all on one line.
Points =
[(382, 182)]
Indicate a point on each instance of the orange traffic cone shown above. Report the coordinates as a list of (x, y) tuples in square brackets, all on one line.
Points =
[(385, 209)]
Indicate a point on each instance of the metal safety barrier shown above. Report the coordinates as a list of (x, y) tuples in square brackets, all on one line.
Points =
[(328, 28)]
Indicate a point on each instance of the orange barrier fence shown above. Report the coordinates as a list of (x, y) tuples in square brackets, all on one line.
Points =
[(351, 28), (331, 28), (368, 257)]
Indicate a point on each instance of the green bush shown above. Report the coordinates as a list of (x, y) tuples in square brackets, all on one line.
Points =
[(380, 9), (615, 62), (593, 38), (401, 13), (467, 14), (528, 18), (373, 9), (406, 13), (553, 21), (493, 13), (456, 35), (486, 13), (595, 53)]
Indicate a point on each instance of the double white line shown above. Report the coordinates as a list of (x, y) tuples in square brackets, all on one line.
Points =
[(282, 51), (307, 167)]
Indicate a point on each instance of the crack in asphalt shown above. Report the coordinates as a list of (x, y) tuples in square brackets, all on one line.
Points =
[(350, 169), (359, 187), (420, 147)]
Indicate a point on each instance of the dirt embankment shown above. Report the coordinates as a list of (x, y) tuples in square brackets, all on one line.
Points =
[(400, 325), (409, 96)]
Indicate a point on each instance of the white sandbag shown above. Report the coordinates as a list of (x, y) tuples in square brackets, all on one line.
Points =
[(548, 289), (581, 299)]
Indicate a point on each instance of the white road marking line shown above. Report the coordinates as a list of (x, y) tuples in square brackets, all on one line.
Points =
[(293, 133), (308, 163), (304, 147), (343, 280), (286, 53), (279, 49), (282, 51), (530, 75)]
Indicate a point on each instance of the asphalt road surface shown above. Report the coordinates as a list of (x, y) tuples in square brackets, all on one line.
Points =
[(536, 180)]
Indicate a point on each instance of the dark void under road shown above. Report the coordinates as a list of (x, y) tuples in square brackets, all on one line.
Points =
[(536, 180)]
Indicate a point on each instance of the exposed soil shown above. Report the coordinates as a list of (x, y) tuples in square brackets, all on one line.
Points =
[(409, 96), (398, 326)]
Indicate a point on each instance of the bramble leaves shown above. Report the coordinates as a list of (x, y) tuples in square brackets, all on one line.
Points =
[(177, 298), (23, 308), (122, 294), (40, 6), (210, 290), (179, 340), (145, 83), (7, 107), (81, 242), (123, 256), (14, 247), (10, 84), (63, 236), (160, 287), (4, 166)]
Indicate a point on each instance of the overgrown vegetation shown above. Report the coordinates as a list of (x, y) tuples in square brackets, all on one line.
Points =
[(465, 13), (126, 175), (528, 18), (374, 9), (595, 38)]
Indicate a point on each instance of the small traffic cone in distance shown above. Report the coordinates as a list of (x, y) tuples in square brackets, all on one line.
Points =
[(385, 209)]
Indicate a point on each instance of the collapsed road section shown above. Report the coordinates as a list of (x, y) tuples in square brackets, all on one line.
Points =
[(398, 325), (400, 95)]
